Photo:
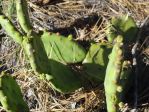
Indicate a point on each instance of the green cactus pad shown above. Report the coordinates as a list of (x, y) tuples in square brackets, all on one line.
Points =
[(96, 60), (117, 75), (56, 73), (112, 77), (10, 95), (62, 49), (23, 16), (63, 78), (125, 26)]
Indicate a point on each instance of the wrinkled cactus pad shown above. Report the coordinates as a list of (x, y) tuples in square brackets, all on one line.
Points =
[(10, 95), (125, 26), (62, 49), (96, 60)]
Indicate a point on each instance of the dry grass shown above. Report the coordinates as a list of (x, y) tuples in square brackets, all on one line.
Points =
[(64, 17), (41, 98)]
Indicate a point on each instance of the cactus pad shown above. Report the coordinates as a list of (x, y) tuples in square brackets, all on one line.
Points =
[(10, 95), (96, 60), (63, 78), (125, 26), (56, 73), (117, 74), (62, 49)]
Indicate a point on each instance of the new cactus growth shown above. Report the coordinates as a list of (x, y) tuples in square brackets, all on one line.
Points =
[(10, 95), (117, 74), (48, 53), (96, 60), (125, 26)]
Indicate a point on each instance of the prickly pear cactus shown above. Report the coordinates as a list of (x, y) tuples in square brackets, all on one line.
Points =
[(125, 26), (96, 60), (117, 75), (10, 95), (48, 54)]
